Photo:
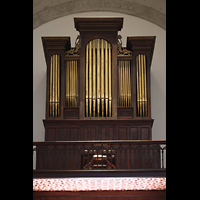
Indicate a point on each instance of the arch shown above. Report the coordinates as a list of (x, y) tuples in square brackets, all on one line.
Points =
[(45, 10)]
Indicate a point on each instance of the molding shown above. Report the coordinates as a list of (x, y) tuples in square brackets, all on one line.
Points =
[(44, 11)]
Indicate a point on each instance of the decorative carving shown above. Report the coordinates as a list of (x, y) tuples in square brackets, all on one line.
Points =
[(74, 51), (122, 51)]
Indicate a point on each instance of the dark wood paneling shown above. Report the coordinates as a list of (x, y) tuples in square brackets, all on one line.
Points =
[(101, 195), (71, 113), (133, 133), (125, 112), (69, 130)]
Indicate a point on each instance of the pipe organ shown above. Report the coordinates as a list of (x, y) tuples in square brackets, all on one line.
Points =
[(98, 89)]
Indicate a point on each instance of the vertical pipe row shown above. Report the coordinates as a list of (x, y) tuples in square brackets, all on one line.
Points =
[(124, 83), (54, 89), (142, 110), (98, 79), (71, 83)]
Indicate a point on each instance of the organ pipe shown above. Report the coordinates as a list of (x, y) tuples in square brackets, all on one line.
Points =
[(110, 83), (54, 89), (71, 83), (124, 83), (142, 104), (98, 79)]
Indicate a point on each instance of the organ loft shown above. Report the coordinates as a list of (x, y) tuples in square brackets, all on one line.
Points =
[(98, 106)]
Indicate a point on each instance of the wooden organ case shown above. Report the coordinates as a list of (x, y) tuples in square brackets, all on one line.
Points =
[(98, 90)]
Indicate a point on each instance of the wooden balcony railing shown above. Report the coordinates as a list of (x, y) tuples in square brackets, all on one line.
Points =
[(108, 157)]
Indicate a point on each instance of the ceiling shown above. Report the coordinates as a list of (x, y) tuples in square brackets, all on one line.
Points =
[(151, 10)]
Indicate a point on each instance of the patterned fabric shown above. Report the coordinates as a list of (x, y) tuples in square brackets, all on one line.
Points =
[(98, 184)]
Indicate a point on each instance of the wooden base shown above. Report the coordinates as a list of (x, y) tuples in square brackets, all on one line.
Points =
[(101, 195)]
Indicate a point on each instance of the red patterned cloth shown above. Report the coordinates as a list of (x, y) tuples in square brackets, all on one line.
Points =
[(98, 184)]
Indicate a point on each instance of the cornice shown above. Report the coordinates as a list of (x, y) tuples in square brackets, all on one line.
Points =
[(98, 24)]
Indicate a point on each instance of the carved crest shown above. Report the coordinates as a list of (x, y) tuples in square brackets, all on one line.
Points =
[(122, 51), (74, 51)]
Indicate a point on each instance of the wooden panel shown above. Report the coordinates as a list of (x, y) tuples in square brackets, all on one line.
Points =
[(64, 130), (125, 112), (101, 195), (133, 133), (110, 134), (122, 133), (51, 134), (84, 133), (144, 133), (71, 113), (93, 133), (103, 133), (62, 136), (73, 134)]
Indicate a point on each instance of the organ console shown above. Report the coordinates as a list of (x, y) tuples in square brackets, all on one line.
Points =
[(98, 89)]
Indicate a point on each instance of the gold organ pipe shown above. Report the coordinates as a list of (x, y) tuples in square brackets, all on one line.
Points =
[(70, 85), (67, 83), (72, 82), (141, 85), (142, 75), (56, 84), (53, 103), (51, 88), (126, 84), (129, 91), (102, 76), (120, 83), (138, 89), (106, 77), (98, 77), (90, 78), (58, 90), (94, 77), (145, 86), (76, 83), (110, 81), (86, 83), (54, 89)]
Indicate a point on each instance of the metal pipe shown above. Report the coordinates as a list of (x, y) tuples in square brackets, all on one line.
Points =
[(86, 82), (138, 93), (58, 89), (102, 77), (98, 77), (51, 88), (90, 78), (94, 77), (110, 80), (106, 77), (145, 87)]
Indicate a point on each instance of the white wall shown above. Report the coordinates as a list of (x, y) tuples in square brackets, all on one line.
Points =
[(132, 26)]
